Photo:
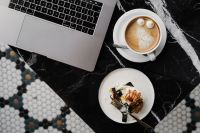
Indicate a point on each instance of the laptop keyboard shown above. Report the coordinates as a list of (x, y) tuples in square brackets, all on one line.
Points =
[(81, 15)]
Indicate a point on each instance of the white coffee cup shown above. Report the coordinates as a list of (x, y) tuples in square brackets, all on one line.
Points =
[(151, 53)]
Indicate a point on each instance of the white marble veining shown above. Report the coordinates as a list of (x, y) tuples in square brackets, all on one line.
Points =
[(156, 116), (160, 7), (120, 7), (117, 58)]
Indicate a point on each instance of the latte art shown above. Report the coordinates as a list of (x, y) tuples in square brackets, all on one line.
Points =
[(144, 38), (142, 34)]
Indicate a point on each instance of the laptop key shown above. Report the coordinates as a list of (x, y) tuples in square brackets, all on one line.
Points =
[(67, 17), (72, 13), (79, 22), (78, 9), (95, 20), (84, 11), (96, 8), (49, 5), (23, 9), (43, 3), (38, 8), (71, 1), (66, 23), (90, 13), (47, 17), (84, 17), (73, 26), (90, 31), (55, 14), (61, 3), (55, 7), (67, 5), (44, 10), (61, 9), (17, 7), (21, 2), (89, 6), (31, 1), (30, 11), (55, 1), (77, 2), (96, 16), (78, 27), (73, 7), (88, 24), (73, 20), (49, 12), (83, 4), (66, 11), (26, 4), (11, 5), (32, 6), (99, 4), (37, 2), (14, 1), (62, 16), (90, 19), (78, 15), (84, 29)]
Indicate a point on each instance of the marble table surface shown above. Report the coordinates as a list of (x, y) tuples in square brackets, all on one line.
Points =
[(174, 74)]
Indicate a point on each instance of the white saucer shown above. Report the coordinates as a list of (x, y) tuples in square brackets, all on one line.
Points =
[(118, 34), (123, 76)]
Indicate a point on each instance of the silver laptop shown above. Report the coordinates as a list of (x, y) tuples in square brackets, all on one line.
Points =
[(69, 31)]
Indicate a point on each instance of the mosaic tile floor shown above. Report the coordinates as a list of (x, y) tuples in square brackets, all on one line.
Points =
[(185, 118), (28, 104)]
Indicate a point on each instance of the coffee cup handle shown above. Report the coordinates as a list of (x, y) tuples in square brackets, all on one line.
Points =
[(152, 56), (120, 46)]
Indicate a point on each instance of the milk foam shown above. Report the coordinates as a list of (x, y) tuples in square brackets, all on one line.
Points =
[(145, 40)]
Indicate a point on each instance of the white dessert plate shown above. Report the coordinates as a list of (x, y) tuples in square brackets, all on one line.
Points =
[(122, 77), (118, 34)]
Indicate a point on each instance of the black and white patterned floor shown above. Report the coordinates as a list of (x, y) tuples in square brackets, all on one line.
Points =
[(185, 118), (28, 104)]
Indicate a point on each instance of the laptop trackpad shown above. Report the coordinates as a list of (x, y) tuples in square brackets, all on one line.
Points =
[(10, 25), (38, 35), (58, 42), (47, 38)]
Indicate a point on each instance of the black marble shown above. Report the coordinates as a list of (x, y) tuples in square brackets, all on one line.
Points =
[(172, 74)]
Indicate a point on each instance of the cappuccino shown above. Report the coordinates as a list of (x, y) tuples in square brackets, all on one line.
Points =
[(142, 34)]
